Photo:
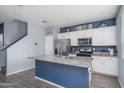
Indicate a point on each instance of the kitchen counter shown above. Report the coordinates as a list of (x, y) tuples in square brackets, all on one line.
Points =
[(105, 55), (72, 72), (75, 61)]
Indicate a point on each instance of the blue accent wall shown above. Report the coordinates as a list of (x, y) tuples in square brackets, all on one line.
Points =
[(96, 24), (77, 48), (109, 22), (64, 75), (101, 48)]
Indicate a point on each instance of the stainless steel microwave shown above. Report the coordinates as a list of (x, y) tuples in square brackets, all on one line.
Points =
[(84, 41)]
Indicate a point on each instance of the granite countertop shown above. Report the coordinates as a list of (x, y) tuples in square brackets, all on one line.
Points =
[(75, 61)]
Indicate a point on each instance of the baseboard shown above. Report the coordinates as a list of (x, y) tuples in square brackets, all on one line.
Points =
[(120, 83), (105, 74), (49, 82), (8, 74)]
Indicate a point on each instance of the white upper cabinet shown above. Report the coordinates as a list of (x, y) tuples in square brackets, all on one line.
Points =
[(100, 36), (105, 36), (110, 37), (96, 37), (74, 38), (66, 35), (89, 33), (79, 34), (60, 35)]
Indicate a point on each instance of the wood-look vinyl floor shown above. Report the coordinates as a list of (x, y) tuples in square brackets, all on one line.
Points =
[(103, 81), (26, 79)]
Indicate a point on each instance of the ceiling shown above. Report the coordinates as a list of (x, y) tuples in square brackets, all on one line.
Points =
[(57, 15)]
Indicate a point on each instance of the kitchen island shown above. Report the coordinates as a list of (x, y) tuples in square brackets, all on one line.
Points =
[(66, 72)]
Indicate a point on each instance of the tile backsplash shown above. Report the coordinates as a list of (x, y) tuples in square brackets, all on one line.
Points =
[(97, 48), (104, 48)]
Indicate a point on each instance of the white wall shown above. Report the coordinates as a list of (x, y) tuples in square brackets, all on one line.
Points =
[(13, 31), (120, 41), (17, 54)]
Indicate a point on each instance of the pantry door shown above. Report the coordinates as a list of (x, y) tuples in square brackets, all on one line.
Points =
[(49, 45)]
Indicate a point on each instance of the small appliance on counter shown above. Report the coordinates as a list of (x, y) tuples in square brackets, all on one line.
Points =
[(104, 52), (111, 51)]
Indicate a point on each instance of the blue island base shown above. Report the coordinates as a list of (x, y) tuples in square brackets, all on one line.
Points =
[(63, 75)]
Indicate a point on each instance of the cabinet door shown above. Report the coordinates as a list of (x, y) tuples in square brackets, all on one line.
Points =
[(80, 34), (109, 36), (89, 33), (111, 66), (97, 64), (49, 46), (105, 36), (105, 65), (60, 35), (97, 37), (67, 35), (114, 34), (74, 38)]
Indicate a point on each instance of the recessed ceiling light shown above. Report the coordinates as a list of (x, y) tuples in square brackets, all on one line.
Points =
[(20, 5), (44, 21)]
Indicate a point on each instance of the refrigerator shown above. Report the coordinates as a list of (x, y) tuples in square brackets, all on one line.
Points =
[(62, 46)]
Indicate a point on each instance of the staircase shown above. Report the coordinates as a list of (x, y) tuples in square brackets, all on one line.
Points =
[(12, 32)]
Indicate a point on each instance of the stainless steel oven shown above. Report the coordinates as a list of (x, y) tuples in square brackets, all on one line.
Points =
[(85, 51)]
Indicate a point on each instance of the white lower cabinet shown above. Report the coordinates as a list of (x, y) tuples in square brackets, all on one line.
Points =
[(105, 65)]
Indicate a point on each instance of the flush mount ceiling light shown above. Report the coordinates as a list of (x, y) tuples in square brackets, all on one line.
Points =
[(44, 21), (20, 5)]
